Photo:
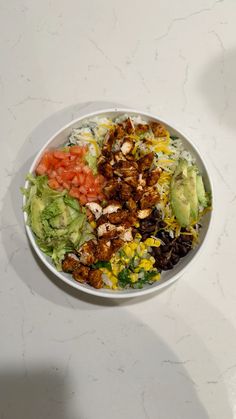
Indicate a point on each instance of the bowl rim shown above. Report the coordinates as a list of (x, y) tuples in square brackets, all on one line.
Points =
[(107, 293)]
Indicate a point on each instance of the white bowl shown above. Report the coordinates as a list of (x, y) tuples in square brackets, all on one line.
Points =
[(167, 277)]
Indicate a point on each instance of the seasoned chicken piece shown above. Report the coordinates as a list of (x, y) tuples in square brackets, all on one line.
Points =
[(141, 128), (130, 221), (125, 191), (112, 207), (145, 162), (127, 146), (117, 244), (95, 208), (153, 176), (119, 132), (107, 231), (104, 167), (95, 278), (112, 189), (144, 213), (141, 181), (81, 274), (104, 249), (158, 129), (87, 253), (128, 126), (103, 219), (70, 263), (132, 180), (90, 215), (149, 198), (131, 204), (126, 234), (118, 217), (118, 156), (126, 169), (108, 143)]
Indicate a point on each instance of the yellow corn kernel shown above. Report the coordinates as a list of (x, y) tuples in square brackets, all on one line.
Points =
[(145, 264), (93, 224), (152, 242), (133, 277)]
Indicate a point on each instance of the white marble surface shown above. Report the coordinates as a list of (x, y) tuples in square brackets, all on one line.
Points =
[(67, 355)]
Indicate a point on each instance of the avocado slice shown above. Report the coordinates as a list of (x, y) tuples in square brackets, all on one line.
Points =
[(179, 203), (61, 218), (191, 192), (36, 209), (201, 193), (184, 197)]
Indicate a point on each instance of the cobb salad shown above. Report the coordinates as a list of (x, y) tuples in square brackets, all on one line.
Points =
[(118, 203)]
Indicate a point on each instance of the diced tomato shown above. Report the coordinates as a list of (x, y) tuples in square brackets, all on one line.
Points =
[(68, 169), (87, 170), (83, 189), (83, 199), (75, 149), (74, 192), (60, 154), (75, 181), (81, 178), (68, 175), (52, 183), (41, 169)]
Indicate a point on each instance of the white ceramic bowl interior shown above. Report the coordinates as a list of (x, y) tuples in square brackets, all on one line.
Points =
[(167, 277)]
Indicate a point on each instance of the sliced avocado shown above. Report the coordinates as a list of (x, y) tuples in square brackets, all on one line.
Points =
[(63, 219), (179, 203), (191, 192), (36, 209), (201, 193)]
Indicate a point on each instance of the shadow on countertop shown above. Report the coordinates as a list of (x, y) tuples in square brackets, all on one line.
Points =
[(129, 381), (218, 85)]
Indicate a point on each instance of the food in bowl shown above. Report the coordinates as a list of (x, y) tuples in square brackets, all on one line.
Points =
[(118, 203)]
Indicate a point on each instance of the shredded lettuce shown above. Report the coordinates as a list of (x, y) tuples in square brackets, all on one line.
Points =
[(57, 220), (92, 162)]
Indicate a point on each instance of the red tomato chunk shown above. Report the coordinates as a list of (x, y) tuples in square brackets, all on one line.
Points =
[(67, 169)]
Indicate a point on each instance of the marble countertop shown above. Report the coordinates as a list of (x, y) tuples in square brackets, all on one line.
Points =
[(68, 355)]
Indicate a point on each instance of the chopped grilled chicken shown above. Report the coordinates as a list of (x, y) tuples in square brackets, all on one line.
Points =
[(70, 263), (141, 128), (132, 180), (126, 168), (141, 181), (118, 217), (117, 244), (125, 191), (108, 142), (126, 234), (118, 156), (104, 249), (127, 146), (144, 213), (158, 129), (131, 204), (95, 278), (103, 219), (119, 132), (95, 208), (90, 215), (145, 162), (104, 167), (87, 253), (128, 126), (153, 176), (112, 207), (107, 231), (81, 274), (149, 198), (112, 188)]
